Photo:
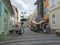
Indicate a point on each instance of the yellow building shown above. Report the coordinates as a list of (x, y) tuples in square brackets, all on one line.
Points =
[(45, 8)]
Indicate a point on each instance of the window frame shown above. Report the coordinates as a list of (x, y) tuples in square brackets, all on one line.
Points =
[(46, 10), (52, 2), (53, 20)]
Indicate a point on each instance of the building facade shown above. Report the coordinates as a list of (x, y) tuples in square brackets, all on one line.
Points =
[(39, 4), (43, 10), (15, 16), (33, 16), (5, 12), (54, 10), (46, 9)]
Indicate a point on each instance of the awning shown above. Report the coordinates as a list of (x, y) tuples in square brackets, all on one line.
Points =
[(34, 22), (41, 22)]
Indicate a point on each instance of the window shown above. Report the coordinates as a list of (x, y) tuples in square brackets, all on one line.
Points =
[(53, 22), (46, 10), (52, 2), (53, 16), (53, 19), (6, 11)]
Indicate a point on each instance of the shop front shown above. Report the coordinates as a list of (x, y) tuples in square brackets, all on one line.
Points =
[(37, 26)]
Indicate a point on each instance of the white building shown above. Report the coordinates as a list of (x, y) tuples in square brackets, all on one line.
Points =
[(54, 10)]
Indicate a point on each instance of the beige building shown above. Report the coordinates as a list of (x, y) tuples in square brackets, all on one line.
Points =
[(54, 9), (33, 16), (15, 16)]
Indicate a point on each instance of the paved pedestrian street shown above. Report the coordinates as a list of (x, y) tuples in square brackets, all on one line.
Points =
[(31, 38)]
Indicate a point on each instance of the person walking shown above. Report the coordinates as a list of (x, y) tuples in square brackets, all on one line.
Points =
[(15, 29), (22, 27), (47, 28), (44, 27)]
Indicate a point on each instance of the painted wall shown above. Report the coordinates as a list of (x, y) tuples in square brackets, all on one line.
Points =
[(57, 19), (45, 5), (15, 16), (55, 10), (1, 21), (4, 20)]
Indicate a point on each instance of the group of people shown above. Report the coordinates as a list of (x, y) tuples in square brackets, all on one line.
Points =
[(46, 28), (16, 29)]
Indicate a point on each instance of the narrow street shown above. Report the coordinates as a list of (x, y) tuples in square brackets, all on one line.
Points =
[(17, 16), (31, 38)]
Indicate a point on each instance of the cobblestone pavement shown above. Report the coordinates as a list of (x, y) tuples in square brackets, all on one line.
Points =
[(31, 38)]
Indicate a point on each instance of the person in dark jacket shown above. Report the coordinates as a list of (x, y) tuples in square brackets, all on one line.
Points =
[(48, 28), (45, 27)]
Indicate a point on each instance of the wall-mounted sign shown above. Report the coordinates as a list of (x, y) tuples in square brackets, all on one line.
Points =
[(0, 8)]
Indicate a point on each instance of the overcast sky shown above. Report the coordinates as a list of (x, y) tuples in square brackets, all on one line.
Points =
[(24, 6)]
